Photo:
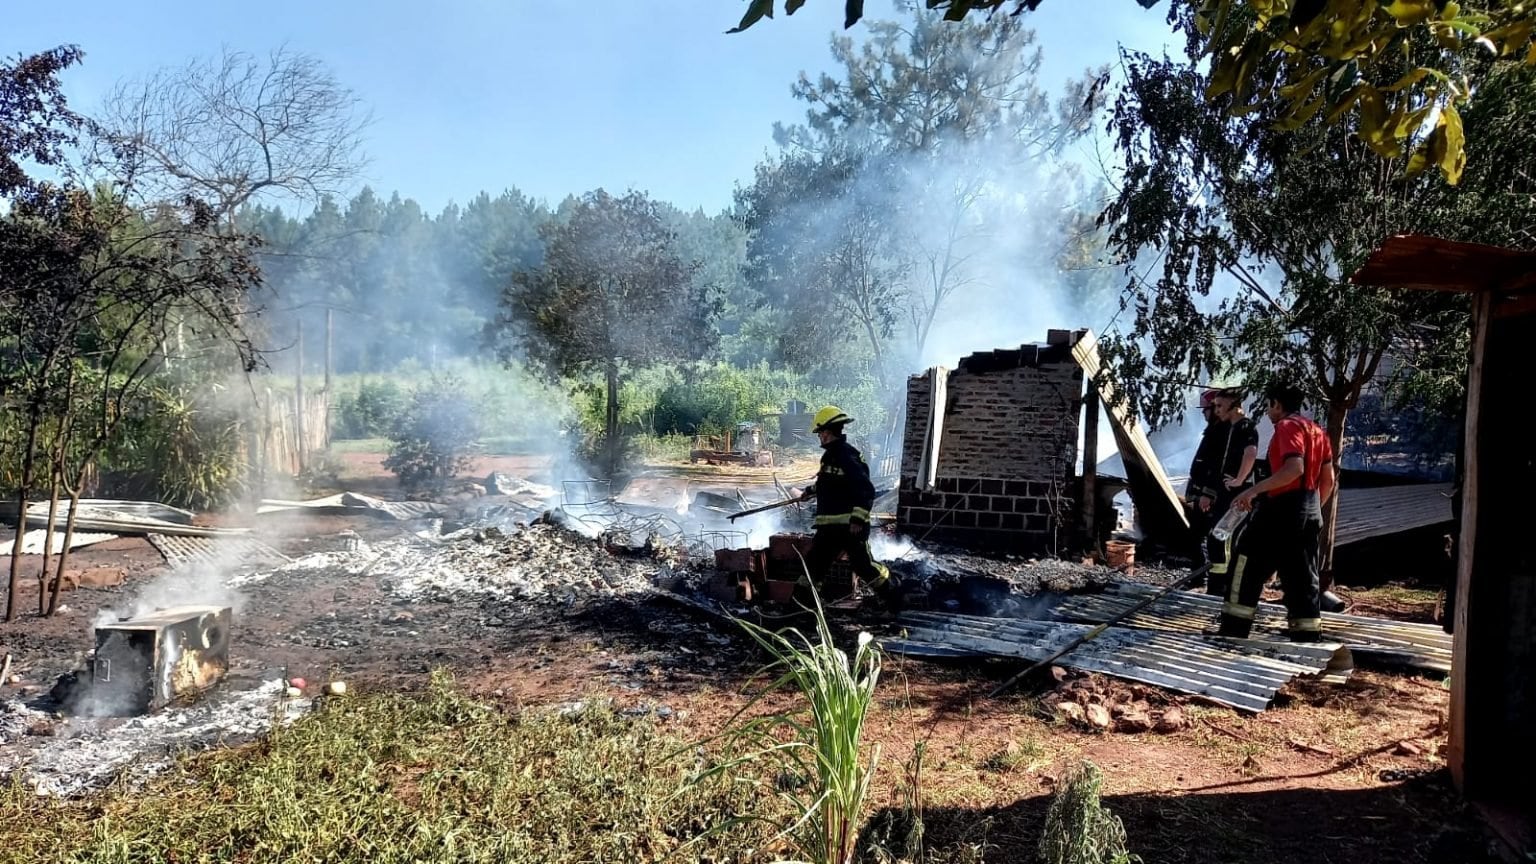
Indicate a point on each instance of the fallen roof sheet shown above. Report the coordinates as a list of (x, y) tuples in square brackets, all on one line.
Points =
[(102, 508), (1421, 646), (1240, 673), (32, 541), (1384, 510), (123, 523), (224, 553), (351, 503)]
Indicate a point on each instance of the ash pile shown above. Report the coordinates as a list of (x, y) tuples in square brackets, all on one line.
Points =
[(528, 568)]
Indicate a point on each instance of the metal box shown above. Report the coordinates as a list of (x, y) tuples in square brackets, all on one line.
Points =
[(144, 663)]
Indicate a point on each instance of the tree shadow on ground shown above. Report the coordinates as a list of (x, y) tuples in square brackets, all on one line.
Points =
[(1420, 819)]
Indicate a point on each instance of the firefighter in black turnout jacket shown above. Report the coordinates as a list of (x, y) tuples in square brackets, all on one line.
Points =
[(843, 494)]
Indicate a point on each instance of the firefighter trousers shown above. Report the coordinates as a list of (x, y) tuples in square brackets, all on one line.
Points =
[(829, 542), (1218, 553), (1283, 536)]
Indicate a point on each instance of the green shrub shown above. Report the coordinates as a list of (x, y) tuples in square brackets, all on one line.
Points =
[(370, 411), (180, 446), (435, 436), (1079, 829)]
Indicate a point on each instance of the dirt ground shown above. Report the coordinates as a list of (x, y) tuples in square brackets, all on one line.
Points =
[(1332, 773)]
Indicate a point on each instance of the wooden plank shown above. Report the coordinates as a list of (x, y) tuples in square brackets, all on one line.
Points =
[(1456, 751), (1155, 496), (938, 407), (1090, 502)]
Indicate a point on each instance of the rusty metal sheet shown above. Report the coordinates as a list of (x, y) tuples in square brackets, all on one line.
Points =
[(1240, 673), (1427, 263), (1421, 646)]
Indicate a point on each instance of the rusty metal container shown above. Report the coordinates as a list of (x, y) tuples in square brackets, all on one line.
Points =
[(144, 663)]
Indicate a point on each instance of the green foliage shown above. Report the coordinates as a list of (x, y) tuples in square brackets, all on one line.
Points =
[(1079, 829), (370, 411), (815, 754), (613, 295), (399, 284), (434, 438), (180, 446), (1331, 59), (1239, 242), (433, 777)]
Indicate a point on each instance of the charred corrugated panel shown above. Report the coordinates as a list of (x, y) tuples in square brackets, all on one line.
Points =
[(1243, 674), (221, 552), (1421, 646), (144, 663)]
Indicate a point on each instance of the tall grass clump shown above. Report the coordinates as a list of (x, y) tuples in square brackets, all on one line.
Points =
[(813, 752), (1079, 829)]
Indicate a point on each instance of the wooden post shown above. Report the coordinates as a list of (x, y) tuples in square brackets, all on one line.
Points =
[(1090, 504), (1493, 696), (330, 343), (1482, 305), (298, 397)]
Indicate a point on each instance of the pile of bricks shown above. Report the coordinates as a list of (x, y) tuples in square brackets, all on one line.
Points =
[(745, 575)]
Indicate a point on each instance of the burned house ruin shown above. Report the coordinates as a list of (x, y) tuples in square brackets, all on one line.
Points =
[(990, 458), (990, 453)]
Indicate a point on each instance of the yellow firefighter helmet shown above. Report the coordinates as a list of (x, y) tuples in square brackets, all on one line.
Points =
[(829, 417)]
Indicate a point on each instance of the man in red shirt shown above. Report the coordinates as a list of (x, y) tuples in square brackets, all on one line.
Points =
[(1284, 533)]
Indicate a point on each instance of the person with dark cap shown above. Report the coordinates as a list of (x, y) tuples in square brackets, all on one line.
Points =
[(1236, 460), (1285, 531), (1205, 481), (843, 494)]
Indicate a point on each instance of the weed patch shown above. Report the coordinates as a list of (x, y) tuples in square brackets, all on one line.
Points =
[(400, 778)]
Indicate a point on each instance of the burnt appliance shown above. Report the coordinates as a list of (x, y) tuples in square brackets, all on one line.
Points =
[(144, 663)]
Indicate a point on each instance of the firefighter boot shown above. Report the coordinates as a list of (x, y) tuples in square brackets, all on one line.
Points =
[(889, 595)]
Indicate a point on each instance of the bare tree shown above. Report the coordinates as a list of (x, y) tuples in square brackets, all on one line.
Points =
[(236, 128)]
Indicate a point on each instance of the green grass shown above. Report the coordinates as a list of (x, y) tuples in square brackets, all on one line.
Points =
[(496, 445), (361, 445), (386, 778)]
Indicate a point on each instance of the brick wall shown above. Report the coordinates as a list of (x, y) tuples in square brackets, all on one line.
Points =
[(1008, 452)]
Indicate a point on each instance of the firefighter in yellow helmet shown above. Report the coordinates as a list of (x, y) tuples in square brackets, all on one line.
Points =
[(843, 494)]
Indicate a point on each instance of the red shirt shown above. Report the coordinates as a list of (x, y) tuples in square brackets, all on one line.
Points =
[(1298, 436)]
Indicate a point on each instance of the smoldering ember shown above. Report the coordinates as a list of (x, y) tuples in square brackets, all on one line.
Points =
[(1003, 465)]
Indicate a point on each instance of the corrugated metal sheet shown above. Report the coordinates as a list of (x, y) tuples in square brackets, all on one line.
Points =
[(1421, 646), (352, 503), (1243, 674), (32, 541), (220, 552), (1385, 510)]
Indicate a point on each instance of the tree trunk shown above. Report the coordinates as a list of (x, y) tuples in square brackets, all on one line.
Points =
[(1337, 415), (611, 420), (53, 515), (69, 534), (25, 487)]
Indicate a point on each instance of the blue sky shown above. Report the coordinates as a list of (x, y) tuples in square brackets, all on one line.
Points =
[(551, 97)]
